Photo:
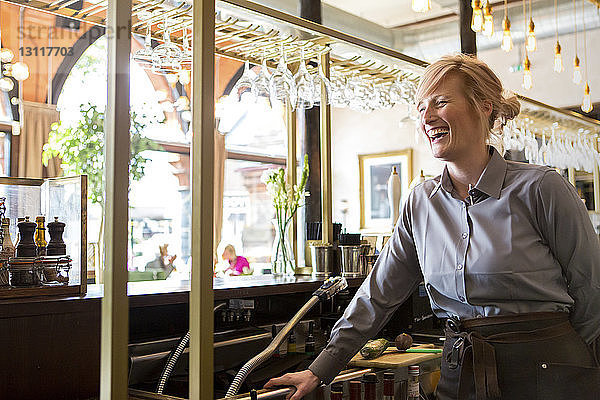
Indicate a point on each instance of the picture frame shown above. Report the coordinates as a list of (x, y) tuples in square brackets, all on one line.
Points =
[(374, 172)]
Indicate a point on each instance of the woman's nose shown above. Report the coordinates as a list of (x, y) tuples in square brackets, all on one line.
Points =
[(427, 114)]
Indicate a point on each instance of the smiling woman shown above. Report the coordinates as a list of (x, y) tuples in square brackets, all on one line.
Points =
[(513, 272)]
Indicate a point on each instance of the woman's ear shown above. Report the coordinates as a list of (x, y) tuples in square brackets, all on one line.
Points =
[(487, 107)]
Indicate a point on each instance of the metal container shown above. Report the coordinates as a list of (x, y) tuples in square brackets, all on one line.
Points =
[(323, 258), (352, 266)]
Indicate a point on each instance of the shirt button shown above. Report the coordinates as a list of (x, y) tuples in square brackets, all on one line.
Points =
[(465, 235), (461, 298), (459, 266)]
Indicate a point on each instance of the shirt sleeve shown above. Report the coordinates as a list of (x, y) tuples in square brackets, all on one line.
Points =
[(394, 277), (566, 225)]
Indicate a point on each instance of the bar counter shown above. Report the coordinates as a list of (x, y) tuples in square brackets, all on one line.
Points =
[(52, 344)]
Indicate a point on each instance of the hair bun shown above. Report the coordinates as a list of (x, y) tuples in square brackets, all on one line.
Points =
[(510, 107)]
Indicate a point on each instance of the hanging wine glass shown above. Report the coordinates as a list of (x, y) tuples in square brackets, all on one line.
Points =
[(245, 89), (144, 56), (338, 90), (167, 56), (261, 83), (281, 84), (305, 85), (395, 91), (318, 79), (186, 55)]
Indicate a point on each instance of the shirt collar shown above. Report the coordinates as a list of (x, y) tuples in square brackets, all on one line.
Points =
[(490, 182)]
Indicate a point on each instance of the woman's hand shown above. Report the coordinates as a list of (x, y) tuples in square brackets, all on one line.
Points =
[(304, 382)]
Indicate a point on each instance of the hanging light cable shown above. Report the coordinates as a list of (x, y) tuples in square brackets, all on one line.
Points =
[(531, 42), (527, 78), (507, 43), (488, 20), (421, 5), (477, 19), (576, 68), (586, 105), (558, 65)]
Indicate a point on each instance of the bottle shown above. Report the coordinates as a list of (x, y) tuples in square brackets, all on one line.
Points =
[(8, 249), (388, 386), (309, 344), (253, 394), (370, 385), (413, 382), (291, 345), (337, 391), (355, 390), (40, 237)]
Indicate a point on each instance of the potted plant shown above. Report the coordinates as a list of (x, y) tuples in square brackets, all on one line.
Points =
[(81, 149)]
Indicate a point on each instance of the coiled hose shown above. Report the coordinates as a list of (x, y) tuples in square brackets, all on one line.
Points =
[(174, 357), (268, 352)]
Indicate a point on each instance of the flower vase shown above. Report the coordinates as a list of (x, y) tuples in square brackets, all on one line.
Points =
[(282, 255)]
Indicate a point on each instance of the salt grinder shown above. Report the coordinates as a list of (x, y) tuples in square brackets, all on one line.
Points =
[(56, 245), (26, 246)]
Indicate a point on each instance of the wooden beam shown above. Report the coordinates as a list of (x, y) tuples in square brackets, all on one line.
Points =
[(468, 40), (115, 308), (202, 165), (310, 125)]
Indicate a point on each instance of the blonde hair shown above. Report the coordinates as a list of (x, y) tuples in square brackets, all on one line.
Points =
[(230, 249), (480, 85)]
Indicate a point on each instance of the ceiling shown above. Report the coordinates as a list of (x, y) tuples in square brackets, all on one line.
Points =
[(392, 13)]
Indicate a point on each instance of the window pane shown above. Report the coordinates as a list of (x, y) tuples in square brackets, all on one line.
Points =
[(253, 127), (159, 214), (247, 212)]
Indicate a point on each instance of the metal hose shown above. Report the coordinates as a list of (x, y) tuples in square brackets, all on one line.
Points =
[(268, 352), (174, 357), (329, 288)]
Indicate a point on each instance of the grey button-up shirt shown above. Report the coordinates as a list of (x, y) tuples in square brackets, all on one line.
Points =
[(522, 242)]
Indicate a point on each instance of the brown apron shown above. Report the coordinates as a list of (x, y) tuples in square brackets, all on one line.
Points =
[(517, 357)]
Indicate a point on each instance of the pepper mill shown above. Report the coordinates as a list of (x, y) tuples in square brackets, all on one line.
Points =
[(56, 245), (26, 246), (8, 248)]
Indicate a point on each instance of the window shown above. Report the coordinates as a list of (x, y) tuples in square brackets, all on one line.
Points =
[(256, 141)]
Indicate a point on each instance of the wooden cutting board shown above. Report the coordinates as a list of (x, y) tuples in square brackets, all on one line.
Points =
[(391, 358)]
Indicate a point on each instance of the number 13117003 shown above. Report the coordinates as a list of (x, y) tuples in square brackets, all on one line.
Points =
[(46, 51)]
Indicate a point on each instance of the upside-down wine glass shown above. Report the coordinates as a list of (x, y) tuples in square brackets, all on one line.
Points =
[(281, 84), (305, 86)]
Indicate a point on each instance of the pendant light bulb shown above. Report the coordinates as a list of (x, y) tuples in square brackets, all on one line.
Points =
[(421, 5), (558, 65), (576, 71), (527, 79), (20, 71), (586, 106), (6, 84), (6, 55), (477, 19), (488, 21), (507, 42), (531, 42)]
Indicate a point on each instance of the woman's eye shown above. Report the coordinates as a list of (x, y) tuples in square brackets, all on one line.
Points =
[(442, 102)]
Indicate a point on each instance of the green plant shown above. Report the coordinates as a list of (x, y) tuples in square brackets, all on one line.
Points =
[(286, 200), (81, 148)]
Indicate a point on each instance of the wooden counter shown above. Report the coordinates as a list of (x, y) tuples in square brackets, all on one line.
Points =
[(51, 345)]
